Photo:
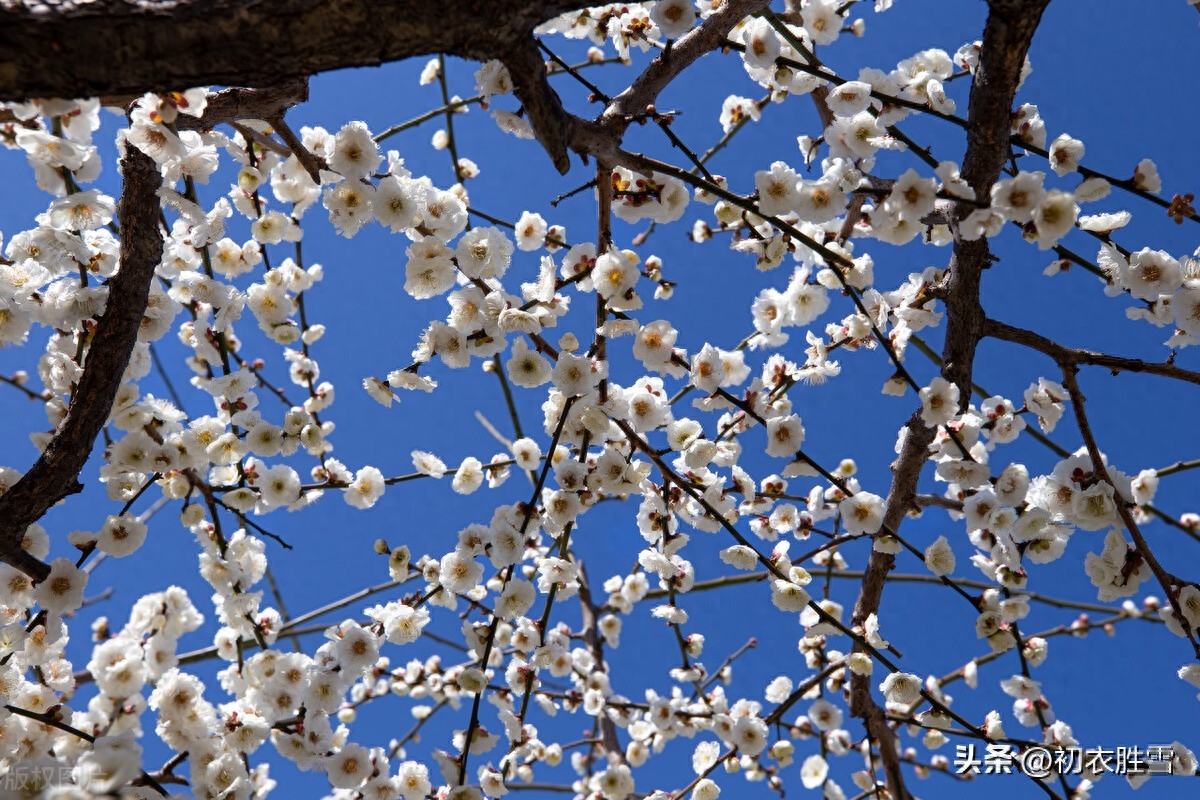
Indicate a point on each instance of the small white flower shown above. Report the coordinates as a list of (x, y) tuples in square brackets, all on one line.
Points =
[(349, 767), (615, 274), (850, 98), (1054, 216), (674, 18), (939, 557), (459, 572), (355, 153), (493, 78), (706, 789), (862, 513), (366, 489), (785, 435), (1065, 154), (530, 231), (1016, 198), (527, 368), (901, 688), (778, 189), (527, 453), (737, 109), (1145, 176), (120, 536), (572, 375), (779, 689), (912, 196), (939, 402), (762, 43), (62, 590), (428, 464), (813, 772), (82, 211), (708, 371), (469, 476)]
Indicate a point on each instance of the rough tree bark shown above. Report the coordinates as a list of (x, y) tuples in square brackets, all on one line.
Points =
[(55, 474), (119, 46), (122, 47)]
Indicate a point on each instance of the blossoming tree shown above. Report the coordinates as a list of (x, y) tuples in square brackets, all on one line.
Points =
[(643, 464)]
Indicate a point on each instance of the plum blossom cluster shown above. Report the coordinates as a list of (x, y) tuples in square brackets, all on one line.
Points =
[(709, 442)]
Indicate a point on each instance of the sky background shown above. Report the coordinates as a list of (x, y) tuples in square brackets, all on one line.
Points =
[(1105, 71)]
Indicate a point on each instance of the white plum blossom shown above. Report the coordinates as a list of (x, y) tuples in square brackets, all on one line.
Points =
[(62, 589), (939, 402), (1065, 154), (366, 489), (862, 513), (671, 359), (939, 557), (901, 688), (1017, 198), (778, 192), (674, 18), (785, 435)]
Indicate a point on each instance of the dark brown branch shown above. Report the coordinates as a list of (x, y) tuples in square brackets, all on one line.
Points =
[(122, 49), (312, 164), (704, 38), (1165, 579), (1006, 37), (1071, 356), (55, 474), (602, 137), (119, 47), (251, 135), (589, 613), (230, 105), (543, 108)]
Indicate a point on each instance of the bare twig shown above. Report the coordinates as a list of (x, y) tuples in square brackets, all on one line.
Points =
[(1072, 356)]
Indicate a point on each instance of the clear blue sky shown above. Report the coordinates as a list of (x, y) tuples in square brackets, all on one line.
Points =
[(1111, 73)]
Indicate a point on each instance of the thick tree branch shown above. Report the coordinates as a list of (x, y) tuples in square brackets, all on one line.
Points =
[(55, 474), (550, 122), (601, 137), (230, 105), (704, 38), (114, 46), (1006, 37)]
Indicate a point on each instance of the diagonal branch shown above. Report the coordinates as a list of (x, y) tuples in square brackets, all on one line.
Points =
[(601, 137), (1165, 579), (54, 475), (230, 105), (550, 122), (707, 36)]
